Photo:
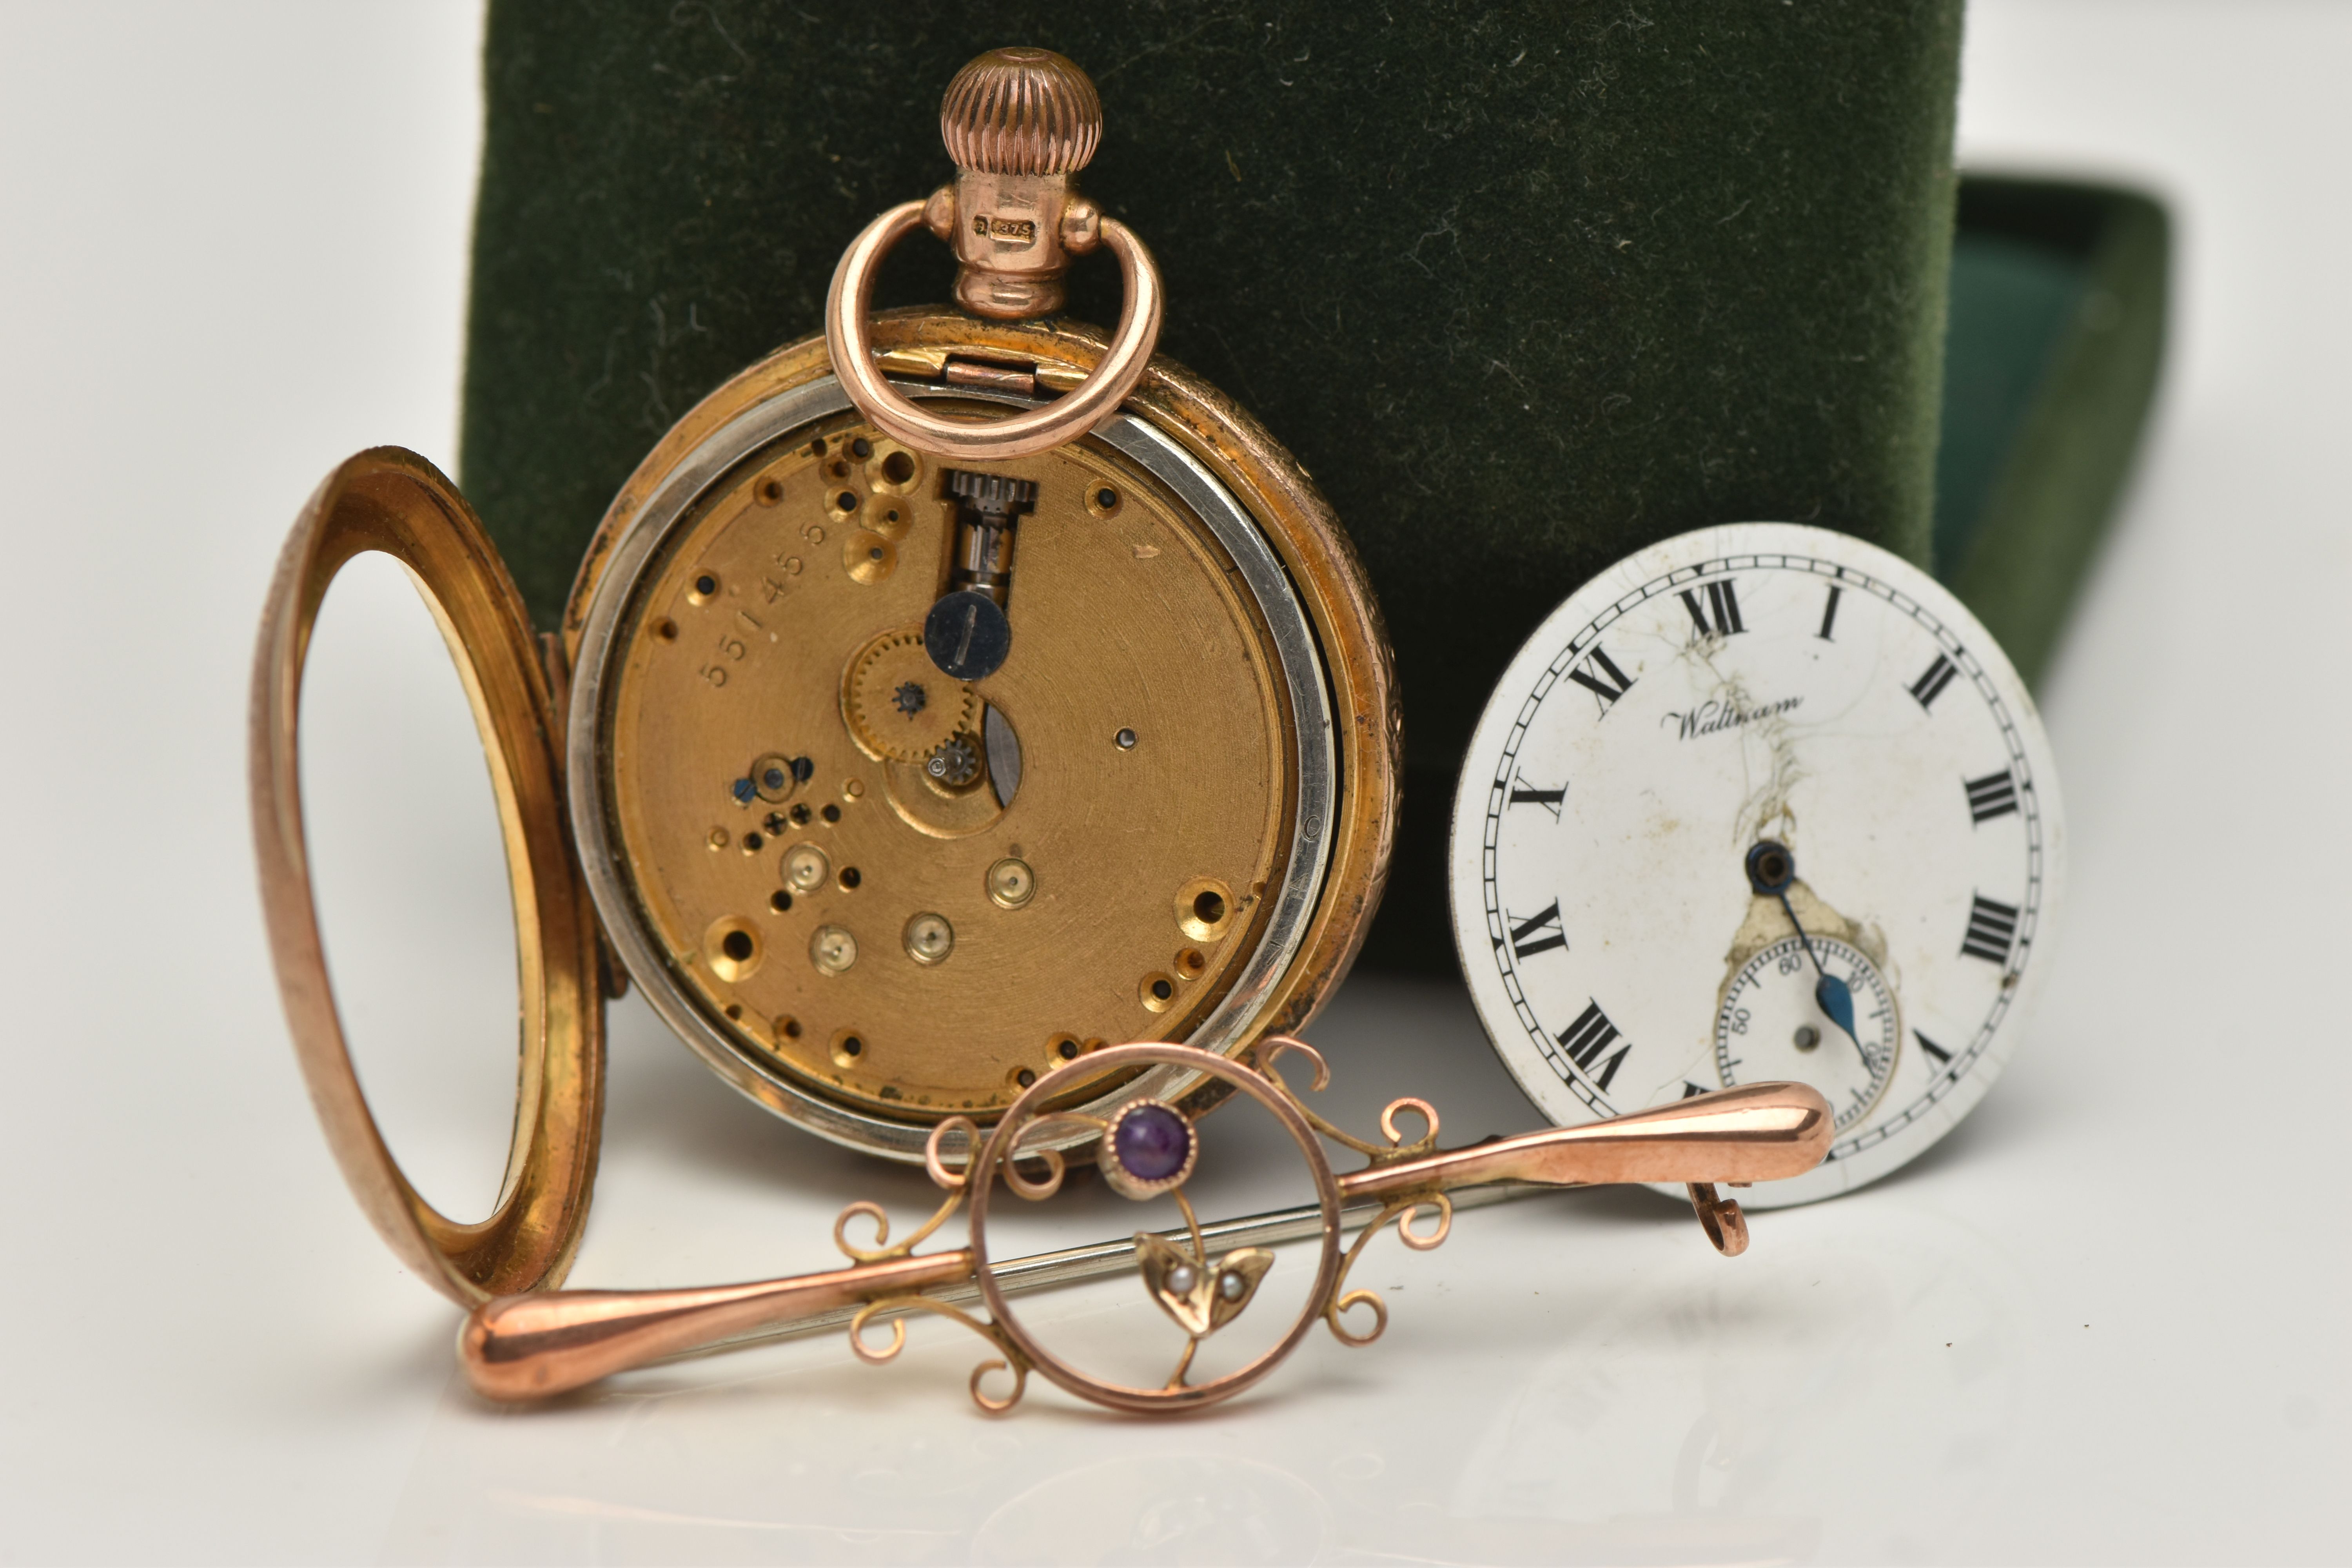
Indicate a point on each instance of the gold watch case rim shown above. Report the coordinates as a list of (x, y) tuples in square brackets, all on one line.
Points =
[(392, 501)]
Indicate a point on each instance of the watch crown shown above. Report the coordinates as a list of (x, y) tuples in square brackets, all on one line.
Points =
[(1021, 111)]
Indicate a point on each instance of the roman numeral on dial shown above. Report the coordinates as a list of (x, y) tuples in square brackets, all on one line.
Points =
[(1930, 686), (1585, 1041), (1943, 1057), (1995, 794), (1525, 793), (1991, 928), (1828, 615), (1539, 932), (1723, 600), (1598, 674)]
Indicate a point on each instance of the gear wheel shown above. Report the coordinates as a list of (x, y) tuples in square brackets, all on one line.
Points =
[(897, 704), (956, 763)]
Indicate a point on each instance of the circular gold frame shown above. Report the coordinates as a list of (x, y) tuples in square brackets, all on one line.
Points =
[(979, 1180), (396, 503)]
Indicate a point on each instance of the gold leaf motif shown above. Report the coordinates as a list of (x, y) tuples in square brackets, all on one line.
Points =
[(1204, 1302), (1248, 1265)]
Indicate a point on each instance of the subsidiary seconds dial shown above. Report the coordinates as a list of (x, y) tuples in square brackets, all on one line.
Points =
[(1771, 1026), (1759, 802)]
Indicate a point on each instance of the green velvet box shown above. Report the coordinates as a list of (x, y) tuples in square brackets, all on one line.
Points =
[(2058, 308), (1525, 286)]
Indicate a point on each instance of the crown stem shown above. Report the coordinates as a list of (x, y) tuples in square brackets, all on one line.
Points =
[(1019, 123)]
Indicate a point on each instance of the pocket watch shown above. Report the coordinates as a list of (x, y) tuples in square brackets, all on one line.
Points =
[(945, 698), (1762, 801)]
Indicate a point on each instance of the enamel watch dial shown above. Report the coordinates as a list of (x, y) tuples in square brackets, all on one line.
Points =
[(1760, 802)]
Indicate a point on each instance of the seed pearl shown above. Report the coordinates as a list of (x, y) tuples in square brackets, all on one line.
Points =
[(1180, 1279), (1231, 1286)]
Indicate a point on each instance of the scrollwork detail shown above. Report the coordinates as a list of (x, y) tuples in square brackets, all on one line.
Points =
[(934, 1155), (1431, 1240), (1419, 1106), (883, 1250), (935, 1165), (1338, 1309), (1045, 1127), (1037, 1191), (1275, 1047), (1402, 1211), (897, 1306)]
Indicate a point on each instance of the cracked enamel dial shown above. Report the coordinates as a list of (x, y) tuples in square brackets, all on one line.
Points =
[(1759, 802)]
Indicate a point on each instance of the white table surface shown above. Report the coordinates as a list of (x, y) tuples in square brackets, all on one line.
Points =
[(2103, 1321)]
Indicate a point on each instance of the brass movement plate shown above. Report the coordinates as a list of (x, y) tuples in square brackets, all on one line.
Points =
[(1155, 756), (1143, 849)]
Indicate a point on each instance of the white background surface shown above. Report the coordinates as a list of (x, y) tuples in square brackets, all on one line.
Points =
[(2103, 1321)]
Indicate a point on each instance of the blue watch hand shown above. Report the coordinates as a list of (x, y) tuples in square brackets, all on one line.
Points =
[(1836, 998), (1770, 870)]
